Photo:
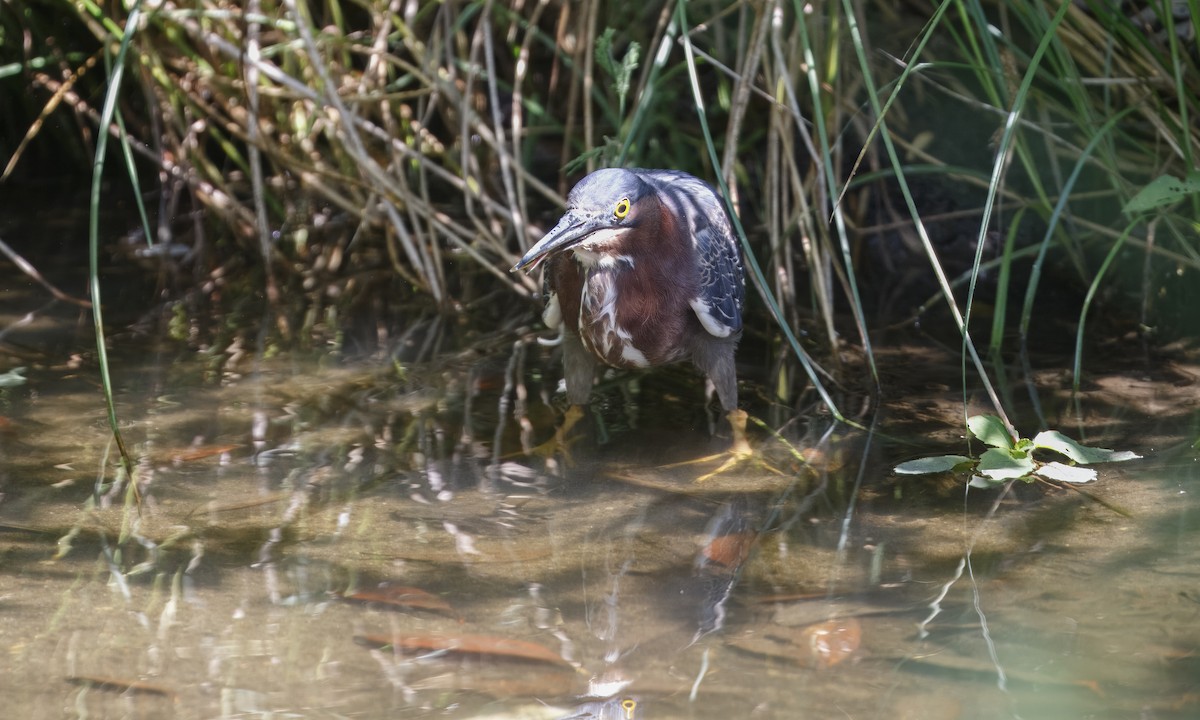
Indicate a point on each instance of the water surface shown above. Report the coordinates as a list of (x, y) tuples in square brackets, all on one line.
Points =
[(323, 536)]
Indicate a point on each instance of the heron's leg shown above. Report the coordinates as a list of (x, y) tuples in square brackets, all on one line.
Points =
[(579, 368), (737, 424), (714, 357), (560, 444)]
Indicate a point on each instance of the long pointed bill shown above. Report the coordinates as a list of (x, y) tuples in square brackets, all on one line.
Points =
[(571, 229)]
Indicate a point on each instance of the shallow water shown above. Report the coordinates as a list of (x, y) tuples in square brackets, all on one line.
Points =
[(323, 537)]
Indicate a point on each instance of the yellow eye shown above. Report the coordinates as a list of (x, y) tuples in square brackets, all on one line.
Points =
[(622, 208), (628, 704)]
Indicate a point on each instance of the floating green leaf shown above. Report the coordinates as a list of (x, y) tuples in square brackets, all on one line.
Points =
[(990, 429), (1059, 443), (999, 464), (1066, 473), (940, 463), (13, 378), (1163, 190)]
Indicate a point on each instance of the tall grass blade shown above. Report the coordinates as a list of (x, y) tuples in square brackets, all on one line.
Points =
[(106, 119)]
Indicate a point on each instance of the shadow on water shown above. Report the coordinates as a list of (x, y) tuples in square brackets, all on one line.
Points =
[(325, 538)]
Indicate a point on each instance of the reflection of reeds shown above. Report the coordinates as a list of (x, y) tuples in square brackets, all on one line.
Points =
[(338, 140)]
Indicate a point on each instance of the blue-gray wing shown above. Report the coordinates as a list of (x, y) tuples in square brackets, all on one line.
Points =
[(722, 290), (721, 280), (722, 283)]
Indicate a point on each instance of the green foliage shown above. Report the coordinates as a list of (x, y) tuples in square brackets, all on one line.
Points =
[(1163, 191), (1000, 464), (621, 71), (990, 430), (12, 378), (935, 464), (1012, 459), (1059, 443), (1091, 108)]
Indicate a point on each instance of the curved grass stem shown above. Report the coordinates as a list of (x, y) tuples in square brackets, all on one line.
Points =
[(106, 119)]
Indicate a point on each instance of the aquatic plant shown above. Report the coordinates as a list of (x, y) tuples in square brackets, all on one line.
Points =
[(1011, 458)]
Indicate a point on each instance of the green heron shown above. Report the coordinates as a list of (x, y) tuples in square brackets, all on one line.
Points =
[(644, 270)]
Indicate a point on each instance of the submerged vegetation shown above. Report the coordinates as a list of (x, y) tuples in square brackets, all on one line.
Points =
[(372, 158)]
